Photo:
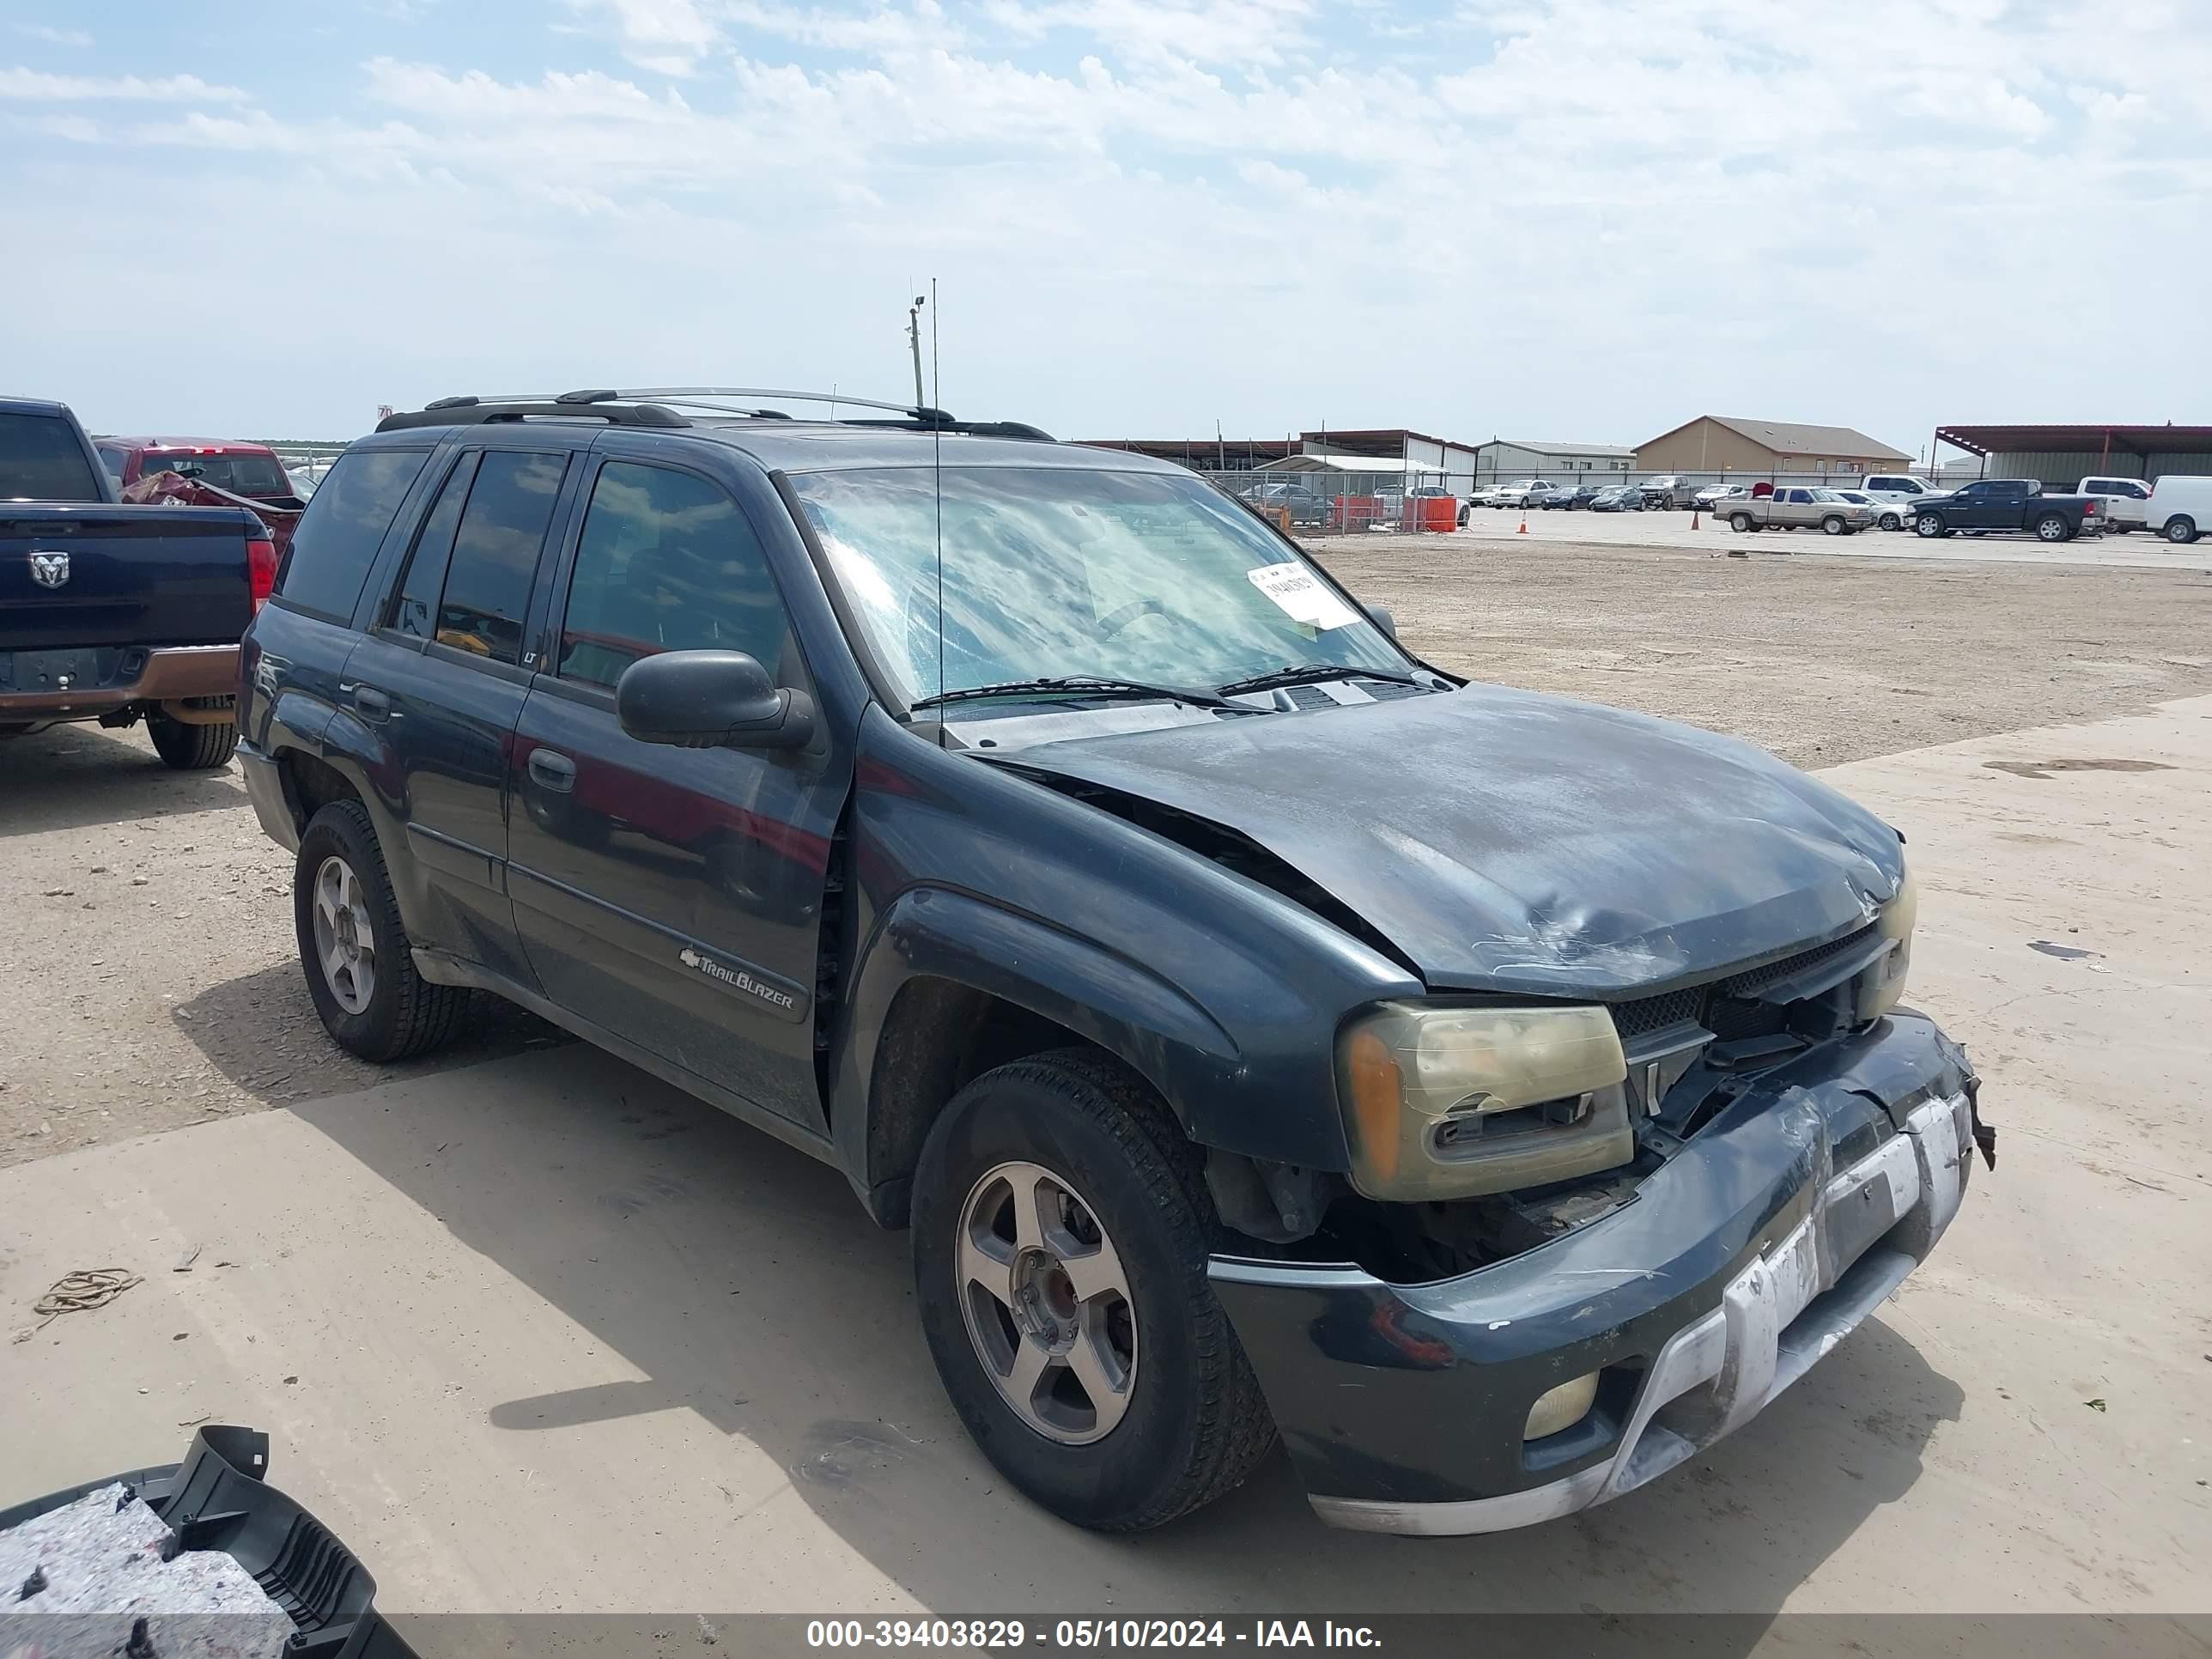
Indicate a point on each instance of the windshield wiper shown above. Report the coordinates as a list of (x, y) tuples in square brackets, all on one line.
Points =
[(1082, 686), (1309, 673)]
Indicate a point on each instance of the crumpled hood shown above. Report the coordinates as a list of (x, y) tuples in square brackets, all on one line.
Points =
[(1511, 840)]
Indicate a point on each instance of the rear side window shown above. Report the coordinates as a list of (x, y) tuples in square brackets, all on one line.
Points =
[(415, 609), (496, 550), (338, 536), (667, 562), (42, 459)]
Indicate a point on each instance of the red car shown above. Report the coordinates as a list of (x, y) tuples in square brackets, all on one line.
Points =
[(206, 473)]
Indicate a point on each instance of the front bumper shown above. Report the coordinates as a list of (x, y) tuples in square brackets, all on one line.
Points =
[(1746, 1258)]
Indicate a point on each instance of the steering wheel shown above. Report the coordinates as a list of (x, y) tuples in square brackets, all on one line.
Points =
[(1119, 618)]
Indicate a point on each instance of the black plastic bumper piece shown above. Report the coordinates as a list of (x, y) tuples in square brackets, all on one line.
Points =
[(1747, 1255), (215, 1499)]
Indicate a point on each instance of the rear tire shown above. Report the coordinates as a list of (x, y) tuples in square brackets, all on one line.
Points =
[(2181, 530), (1192, 1423), (1740, 522), (2052, 527), (185, 747), (396, 1013)]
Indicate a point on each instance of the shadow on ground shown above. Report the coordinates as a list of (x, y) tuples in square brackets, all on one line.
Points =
[(72, 777), (261, 1032), (743, 1281)]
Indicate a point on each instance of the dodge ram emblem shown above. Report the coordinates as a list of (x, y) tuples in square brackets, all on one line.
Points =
[(49, 569)]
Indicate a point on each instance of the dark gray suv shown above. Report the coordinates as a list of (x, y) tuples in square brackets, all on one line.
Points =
[(1498, 1097)]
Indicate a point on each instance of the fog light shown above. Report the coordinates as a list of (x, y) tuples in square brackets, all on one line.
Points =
[(1561, 1408)]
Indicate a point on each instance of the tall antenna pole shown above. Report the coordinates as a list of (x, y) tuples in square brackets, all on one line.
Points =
[(914, 339)]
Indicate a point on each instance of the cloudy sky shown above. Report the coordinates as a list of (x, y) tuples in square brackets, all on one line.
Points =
[(1578, 219)]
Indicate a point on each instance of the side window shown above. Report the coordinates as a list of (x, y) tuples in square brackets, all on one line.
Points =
[(2134, 491), (111, 463), (415, 607), (495, 558), (338, 536), (1797, 497), (665, 563)]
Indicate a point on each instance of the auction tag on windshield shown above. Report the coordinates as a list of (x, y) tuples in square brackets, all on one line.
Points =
[(1300, 596)]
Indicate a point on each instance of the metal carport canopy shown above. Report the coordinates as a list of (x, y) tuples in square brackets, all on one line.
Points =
[(2143, 440)]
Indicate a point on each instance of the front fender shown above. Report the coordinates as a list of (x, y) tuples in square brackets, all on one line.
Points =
[(1105, 997)]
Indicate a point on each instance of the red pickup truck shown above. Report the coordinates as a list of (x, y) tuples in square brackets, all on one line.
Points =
[(206, 473)]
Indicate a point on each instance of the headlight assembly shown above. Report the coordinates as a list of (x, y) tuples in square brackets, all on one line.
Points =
[(1444, 1102), (1882, 985)]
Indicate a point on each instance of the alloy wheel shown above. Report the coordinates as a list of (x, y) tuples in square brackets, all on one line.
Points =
[(1047, 1303), (345, 941)]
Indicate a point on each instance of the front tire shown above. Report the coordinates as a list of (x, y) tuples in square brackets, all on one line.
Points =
[(359, 967), (1928, 527), (1061, 1230), (1832, 525), (1891, 521), (185, 747)]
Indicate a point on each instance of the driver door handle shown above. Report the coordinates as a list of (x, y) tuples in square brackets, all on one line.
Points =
[(551, 769)]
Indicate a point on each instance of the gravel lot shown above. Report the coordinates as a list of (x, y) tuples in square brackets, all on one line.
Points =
[(146, 926)]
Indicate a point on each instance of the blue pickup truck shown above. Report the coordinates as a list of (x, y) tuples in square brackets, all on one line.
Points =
[(117, 613)]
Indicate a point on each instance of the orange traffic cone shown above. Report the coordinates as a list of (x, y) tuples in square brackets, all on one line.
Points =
[(1524, 523), (1693, 515)]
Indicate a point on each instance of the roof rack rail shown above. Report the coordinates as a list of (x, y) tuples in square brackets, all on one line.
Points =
[(485, 411), (661, 406)]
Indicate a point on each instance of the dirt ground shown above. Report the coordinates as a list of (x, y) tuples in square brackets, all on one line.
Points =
[(1821, 659), (146, 926)]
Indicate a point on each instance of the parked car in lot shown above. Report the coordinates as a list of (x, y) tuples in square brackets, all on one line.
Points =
[(1901, 491), (1618, 498), (206, 473), (2179, 509), (1713, 495), (1522, 492), (1258, 1028), (1886, 516), (2008, 504), (1306, 505), (2123, 502), (1568, 498), (113, 613), (1799, 507), (1669, 490)]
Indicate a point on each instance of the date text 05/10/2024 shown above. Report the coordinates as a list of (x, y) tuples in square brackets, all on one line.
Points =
[(1077, 1633)]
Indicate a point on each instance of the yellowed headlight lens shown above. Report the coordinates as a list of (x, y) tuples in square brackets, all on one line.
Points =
[(1883, 986)]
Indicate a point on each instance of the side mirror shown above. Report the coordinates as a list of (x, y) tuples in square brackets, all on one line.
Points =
[(1383, 620), (710, 699)]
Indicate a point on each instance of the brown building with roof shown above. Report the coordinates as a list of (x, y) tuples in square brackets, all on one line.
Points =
[(1720, 444)]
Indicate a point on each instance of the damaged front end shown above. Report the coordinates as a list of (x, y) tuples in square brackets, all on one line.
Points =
[(1618, 1325)]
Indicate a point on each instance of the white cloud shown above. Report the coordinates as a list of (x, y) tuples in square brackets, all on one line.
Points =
[(52, 36), (668, 37), (35, 86), (1253, 209)]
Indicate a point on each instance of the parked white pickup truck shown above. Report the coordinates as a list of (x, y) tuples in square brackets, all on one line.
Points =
[(2125, 501)]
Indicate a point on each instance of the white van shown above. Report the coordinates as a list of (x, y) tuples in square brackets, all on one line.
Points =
[(2179, 509)]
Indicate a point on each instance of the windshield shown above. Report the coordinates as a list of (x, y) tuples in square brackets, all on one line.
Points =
[(1145, 576), (242, 474)]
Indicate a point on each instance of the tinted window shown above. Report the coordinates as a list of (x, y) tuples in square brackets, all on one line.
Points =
[(667, 562), (111, 463), (1798, 496), (495, 554), (338, 535), (415, 608), (242, 474), (41, 459)]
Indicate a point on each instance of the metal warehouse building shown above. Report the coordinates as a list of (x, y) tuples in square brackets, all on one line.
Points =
[(1378, 452), (1532, 458), (2068, 454), (1720, 445)]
